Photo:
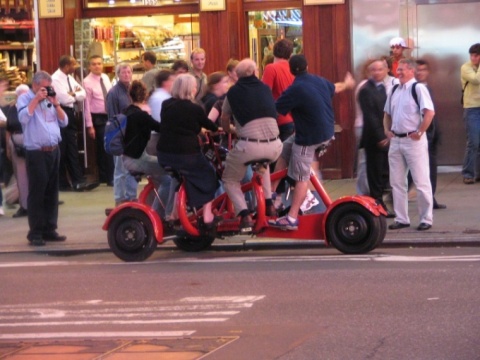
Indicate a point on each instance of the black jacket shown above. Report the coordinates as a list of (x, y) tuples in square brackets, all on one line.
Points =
[(372, 102)]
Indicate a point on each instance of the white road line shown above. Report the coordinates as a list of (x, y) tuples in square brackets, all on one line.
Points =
[(227, 299), (93, 312), (113, 322), (127, 308), (86, 335), (72, 315), (259, 259)]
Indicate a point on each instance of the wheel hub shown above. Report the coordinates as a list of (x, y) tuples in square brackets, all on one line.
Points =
[(353, 228), (132, 235)]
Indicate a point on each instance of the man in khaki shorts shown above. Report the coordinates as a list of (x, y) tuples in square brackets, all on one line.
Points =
[(253, 108), (309, 99)]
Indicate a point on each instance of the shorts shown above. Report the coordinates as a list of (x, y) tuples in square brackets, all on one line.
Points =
[(299, 158)]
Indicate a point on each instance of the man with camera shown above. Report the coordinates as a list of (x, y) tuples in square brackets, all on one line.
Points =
[(41, 117), (69, 92)]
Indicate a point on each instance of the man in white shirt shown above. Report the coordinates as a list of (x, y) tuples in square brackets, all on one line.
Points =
[(68, 92), (405, 125), (97, 84), (149, 64)]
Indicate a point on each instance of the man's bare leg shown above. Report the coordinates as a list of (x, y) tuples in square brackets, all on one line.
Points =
[(280, 165), (299, 194)]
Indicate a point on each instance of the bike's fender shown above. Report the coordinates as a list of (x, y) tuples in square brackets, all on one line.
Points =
[(367, 202), (152, 215)]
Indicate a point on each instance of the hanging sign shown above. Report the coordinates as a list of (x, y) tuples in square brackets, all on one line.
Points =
[(50, 9), (212, 5)]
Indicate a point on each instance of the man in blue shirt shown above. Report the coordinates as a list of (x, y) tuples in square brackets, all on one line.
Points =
[(41, 117), (309, 99)]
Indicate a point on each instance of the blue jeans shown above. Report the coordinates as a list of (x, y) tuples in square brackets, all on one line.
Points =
[(148, 165), (124, 184), (471, 118)]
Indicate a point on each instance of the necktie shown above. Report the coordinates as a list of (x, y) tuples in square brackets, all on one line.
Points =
[(69, 85), (104, 91), (71, 90)]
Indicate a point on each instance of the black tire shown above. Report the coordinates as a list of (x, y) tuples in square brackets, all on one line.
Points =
[(193, 243), (352, 229), (131, 236)]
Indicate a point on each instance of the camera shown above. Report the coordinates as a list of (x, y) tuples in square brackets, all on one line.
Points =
[(50, 91)]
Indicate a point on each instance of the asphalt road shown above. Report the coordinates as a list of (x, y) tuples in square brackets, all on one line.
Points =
[(275, 304)]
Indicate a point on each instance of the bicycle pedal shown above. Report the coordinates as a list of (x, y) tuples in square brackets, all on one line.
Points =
[(246, 230)]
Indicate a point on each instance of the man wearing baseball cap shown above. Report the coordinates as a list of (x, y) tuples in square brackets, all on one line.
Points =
[(397, 45)]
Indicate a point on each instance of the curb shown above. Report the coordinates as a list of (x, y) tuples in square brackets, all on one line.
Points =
[(252, 244)]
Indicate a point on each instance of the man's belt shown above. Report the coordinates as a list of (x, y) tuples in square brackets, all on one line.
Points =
[(48, 148), (258, 140), (403, 134)]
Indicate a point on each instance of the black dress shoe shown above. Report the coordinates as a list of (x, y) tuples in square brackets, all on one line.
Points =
[(21, 212), (390, 215), (246, 224), (398, 225), (423, 226), (65, 188), (438, 206), (36, 241), (53, 236), (85, 186)]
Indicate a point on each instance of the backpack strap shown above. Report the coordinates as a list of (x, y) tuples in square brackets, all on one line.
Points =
[(414, 92)]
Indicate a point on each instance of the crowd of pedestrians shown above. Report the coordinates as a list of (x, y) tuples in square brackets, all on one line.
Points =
[(285, 116)]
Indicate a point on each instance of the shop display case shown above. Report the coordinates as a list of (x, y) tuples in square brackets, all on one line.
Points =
[(117, 40), (16, 50), (130, 43)]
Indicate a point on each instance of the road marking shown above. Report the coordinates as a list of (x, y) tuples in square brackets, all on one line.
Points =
[(113, 322), (257, 259), (108, 334), (96, 312)]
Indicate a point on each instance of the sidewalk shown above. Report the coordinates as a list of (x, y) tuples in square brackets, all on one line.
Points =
[(82, 216)]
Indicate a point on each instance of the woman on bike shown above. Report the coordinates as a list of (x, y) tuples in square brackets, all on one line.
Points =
[(178, 146)]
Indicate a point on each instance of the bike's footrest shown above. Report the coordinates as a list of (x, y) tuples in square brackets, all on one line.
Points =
[(229, 225)]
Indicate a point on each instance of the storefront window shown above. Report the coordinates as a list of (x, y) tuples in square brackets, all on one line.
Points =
[(132, 3), (265, 27), (124, 39)]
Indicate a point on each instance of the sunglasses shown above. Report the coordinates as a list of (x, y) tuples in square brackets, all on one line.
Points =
[(396, 47)]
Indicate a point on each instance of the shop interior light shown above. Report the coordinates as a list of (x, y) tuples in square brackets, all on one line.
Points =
[(111, 2), (132, 1)]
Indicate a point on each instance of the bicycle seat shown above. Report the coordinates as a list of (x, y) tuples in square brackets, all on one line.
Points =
[(172, 172), (137, 175), (259, 165)]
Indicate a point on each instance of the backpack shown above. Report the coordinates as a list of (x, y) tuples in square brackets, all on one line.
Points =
[(431, 128), (114, 140)]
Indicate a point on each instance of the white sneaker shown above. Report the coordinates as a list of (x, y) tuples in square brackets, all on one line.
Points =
[(1, 211), (309, 202)]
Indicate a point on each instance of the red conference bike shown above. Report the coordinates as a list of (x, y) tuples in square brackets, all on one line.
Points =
[(352, 224)]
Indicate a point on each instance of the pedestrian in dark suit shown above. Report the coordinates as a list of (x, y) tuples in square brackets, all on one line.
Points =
[(433, 134), (372, 98)]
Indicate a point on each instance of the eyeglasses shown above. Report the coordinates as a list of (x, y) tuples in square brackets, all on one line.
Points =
[(396, 47)]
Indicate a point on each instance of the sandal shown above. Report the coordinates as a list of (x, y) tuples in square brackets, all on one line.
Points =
[(468, 181)]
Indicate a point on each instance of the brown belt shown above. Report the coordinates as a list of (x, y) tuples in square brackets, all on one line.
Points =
[(258, 140), (48, 148)]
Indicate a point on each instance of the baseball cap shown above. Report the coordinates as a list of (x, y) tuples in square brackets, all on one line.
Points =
[(298, 64), (399, 42)]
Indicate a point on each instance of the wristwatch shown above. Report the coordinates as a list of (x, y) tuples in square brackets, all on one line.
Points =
[(420, 133)]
